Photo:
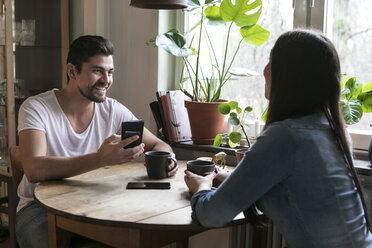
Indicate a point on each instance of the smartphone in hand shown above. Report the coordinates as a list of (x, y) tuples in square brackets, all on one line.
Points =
[(131, 128)]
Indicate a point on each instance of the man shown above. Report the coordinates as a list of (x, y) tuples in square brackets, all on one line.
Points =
[(63, 133)]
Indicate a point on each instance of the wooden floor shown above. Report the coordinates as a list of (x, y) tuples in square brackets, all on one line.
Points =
[(5, 243), (4, 240)]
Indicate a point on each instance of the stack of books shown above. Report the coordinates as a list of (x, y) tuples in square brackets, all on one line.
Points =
[(171, 116)]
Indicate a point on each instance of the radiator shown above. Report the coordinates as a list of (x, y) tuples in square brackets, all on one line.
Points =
[(242, 237)]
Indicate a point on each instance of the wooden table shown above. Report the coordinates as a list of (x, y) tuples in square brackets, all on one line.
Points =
[(98, 205)]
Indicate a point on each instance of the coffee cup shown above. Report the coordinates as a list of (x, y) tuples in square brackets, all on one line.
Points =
[(157, 164), (200, 167)]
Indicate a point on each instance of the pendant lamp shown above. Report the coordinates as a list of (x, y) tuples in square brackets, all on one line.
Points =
[(159, 4)]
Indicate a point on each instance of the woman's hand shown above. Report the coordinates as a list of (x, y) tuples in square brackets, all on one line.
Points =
[(220, 177), (197, 183)]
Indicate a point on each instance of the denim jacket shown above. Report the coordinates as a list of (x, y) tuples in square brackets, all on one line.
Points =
[(298, 176)]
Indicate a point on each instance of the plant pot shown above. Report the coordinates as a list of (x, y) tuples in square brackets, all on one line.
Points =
[(239, 154), (205, 121)]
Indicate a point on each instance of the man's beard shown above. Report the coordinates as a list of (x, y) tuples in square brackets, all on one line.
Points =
[(90, 95)]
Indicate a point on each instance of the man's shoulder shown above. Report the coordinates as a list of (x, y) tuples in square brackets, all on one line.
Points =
[(41, 98), (44, 96)]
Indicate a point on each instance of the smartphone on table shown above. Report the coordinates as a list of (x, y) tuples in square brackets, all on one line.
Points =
[(131, 128), (148, 185)]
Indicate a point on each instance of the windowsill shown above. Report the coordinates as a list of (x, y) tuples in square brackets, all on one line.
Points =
[(360, 138), (187, 150)]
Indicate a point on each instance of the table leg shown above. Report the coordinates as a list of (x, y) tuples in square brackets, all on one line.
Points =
[(183, 243), (57, 236)]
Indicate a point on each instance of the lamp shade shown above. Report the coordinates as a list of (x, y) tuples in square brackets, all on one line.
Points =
[(159, 4)]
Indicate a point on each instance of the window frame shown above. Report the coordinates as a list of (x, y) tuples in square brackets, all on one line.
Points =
[(307, 14)]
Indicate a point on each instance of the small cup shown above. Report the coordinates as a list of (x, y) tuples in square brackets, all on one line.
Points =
[(200, 167), (157, 164)]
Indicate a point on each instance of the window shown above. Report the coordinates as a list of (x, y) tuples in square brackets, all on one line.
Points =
[(277, 17), (351, 32), (346, 22)]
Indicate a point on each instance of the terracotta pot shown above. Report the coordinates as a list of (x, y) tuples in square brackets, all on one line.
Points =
[(205, 121), (239, 154)]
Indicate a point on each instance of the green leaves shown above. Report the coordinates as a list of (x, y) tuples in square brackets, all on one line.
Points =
[(366, 99), (213, 15), (242, 13), (254, 35), (236, 118), (233, 119), (351, 111), (355, 100), (234, 139), (173, 42), (217, 140), (224, 108), (352, 88)]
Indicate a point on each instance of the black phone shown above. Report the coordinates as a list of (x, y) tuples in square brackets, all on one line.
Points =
[(148, 185), (131, 128)]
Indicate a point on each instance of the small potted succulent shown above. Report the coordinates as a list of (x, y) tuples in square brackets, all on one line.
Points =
[(237, 119)]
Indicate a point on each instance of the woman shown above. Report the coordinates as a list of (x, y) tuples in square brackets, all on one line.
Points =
[(300, 171)]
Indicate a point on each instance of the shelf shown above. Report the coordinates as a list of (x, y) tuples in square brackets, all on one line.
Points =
[(37, 47), (189, 145)]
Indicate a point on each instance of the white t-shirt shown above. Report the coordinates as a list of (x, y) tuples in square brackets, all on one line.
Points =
[(43, 112)]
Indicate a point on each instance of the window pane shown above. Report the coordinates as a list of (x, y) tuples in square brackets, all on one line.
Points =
[(351, 32)]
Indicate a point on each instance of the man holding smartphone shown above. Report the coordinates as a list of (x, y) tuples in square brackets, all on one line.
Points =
[(63, 133)]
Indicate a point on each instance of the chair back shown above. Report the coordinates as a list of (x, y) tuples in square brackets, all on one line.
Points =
[(16, 165)]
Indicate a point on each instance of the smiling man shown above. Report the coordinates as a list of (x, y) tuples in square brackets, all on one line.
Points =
[(63, 133)]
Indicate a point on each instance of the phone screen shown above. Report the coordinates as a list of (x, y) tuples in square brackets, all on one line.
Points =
[(148, 185), (131, 128)]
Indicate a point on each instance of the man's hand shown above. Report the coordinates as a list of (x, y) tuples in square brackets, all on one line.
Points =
[(111, 151), (171, 169)]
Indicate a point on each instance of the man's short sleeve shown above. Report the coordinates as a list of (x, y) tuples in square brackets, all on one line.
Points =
[(31, 115)]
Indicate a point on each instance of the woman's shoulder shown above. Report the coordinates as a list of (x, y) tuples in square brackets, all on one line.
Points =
[(313, 121)]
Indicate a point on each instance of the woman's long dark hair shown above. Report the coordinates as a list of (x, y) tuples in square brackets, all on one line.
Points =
[(305, 79)]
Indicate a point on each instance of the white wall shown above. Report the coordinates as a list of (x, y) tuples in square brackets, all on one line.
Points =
[(135, 77)]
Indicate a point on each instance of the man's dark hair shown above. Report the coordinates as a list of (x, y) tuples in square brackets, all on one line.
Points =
[(85, 47)]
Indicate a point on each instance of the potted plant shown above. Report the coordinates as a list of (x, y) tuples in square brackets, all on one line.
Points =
[(356, 99), (206, 88), (237, 119)]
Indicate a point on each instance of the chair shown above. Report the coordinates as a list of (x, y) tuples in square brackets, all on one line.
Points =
[(16, 165), (12, 184)]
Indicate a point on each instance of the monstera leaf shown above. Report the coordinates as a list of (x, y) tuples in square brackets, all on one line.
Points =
[(173, 42), (254, 35), (352, 111), (213, 15), (351, 88), (355, 99), (241, 13)]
